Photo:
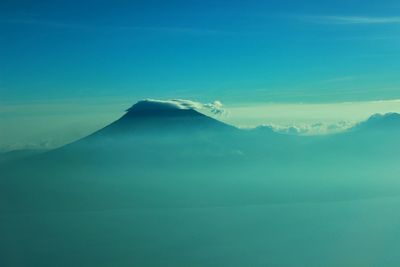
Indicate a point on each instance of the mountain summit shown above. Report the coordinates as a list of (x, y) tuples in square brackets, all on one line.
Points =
[(163, 117)]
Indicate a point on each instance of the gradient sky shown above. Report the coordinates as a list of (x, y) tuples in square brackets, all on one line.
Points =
[(237, 50), (253, 52)]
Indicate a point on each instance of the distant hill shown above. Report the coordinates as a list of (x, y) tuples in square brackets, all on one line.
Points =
[(380, 122)]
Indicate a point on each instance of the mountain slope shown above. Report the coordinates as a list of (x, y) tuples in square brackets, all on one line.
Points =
[(147, 117), (380, 122), (155, 130)]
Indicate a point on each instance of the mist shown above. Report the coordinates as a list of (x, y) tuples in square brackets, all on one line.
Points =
[(171, 186)]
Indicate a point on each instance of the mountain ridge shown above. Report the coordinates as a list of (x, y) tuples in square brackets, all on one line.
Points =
[(378, 121)]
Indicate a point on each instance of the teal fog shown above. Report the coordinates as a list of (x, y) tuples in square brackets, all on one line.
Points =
[(166, 185)]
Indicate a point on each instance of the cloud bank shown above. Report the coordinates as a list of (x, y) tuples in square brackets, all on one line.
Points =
[(310, 129)]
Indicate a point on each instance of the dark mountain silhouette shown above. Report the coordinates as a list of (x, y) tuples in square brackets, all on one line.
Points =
[(153, 130), (147, 117)]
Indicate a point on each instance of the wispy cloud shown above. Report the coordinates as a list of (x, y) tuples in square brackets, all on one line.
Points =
[(215, 107), (39, 145), (47, 23), (349, 20)]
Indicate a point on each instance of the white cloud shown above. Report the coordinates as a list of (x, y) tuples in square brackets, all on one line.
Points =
[(215, 107), (311, 129)]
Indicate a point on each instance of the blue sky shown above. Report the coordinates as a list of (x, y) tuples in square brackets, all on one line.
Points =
[(93, 59), (278, 51)]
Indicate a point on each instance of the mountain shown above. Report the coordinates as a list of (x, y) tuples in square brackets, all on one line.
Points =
[(375, 139), (155, 131), (151, 117), (162, 126), (380, 122)]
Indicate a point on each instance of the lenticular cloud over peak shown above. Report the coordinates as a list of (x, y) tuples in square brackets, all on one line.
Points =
[(215, 107)]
